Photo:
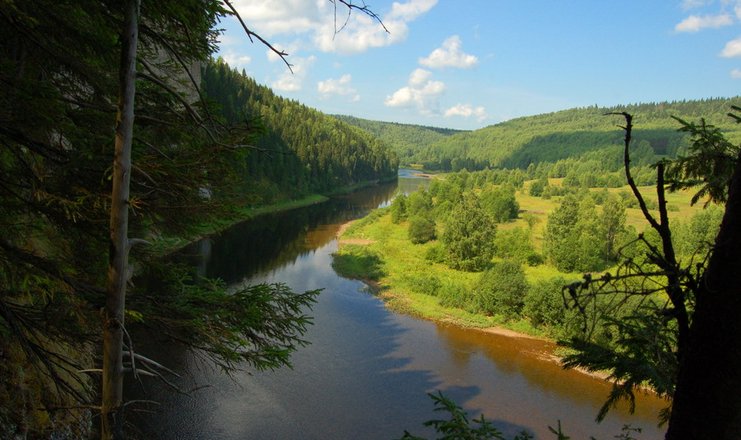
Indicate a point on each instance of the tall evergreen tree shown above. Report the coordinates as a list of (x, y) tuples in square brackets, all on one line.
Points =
[(59, 66)]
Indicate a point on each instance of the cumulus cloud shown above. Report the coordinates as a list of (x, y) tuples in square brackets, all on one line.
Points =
[(340, 87), (736, 73), (316, 18), (236, 60), (732, 49), (450, 54), (273, 17), (467, 111), (293, 82), (362, 32), (421, 92), (695, 23)]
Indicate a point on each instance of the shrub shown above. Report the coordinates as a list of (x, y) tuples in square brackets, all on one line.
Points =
[(426, 284), (454, 295), (544, 303), (399, 208), (435, 253), (421, 229), (502, 289), (513, 244)]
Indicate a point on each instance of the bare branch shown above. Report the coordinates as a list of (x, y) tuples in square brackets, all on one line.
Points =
[(282, 54), (364, 9), (626, 161)]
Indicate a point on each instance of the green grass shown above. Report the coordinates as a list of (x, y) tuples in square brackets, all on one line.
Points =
[(404, 278), (358, 262), (404, 269)]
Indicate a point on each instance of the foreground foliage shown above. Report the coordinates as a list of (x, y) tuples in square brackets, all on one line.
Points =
[(182, 161), (458, 427)]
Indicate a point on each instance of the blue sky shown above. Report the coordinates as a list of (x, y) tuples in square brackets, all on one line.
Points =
[(470, 63)]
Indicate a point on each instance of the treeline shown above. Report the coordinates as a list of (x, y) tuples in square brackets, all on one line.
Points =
[(404, 139), (300, 150), (569, 134)]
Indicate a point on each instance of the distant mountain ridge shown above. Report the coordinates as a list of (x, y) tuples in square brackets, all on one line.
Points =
[(403, 139), (550, 137)]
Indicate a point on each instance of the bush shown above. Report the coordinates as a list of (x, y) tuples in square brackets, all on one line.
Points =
[(435, 253), (544, 303), (500, 203), (454, 295), (399, 208), (502, 289), (426, 284), (534, 259), (419, 203), (513, 244), (421, 230), (538, 186)]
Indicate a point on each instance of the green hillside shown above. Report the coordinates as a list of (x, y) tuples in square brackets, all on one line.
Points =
[(404, 139), (299, 150), (571, 133)]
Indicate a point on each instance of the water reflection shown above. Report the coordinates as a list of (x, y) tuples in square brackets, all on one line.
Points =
[(275, 240), (367, 371)]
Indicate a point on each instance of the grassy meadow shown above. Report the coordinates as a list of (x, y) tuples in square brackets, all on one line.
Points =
[(378, 251)]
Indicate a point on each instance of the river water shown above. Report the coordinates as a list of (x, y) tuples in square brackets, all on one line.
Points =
[(367, 372)]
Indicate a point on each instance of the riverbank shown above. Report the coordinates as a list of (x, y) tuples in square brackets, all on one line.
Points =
[(366, 252), (163, 245), (375, 249)]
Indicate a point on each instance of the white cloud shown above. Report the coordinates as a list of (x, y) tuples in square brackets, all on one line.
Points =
[(236, 60), (420, 92), (410, 10), (736, 73), (419, 77), (449, 55), (293, 81), (317, 19), (691, 4), (339, 87), (732, 49), (467, 111), (694, 23), (273, 17), (362, 32)]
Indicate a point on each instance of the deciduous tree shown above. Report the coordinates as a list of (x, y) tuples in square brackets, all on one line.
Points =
[(469, 235)]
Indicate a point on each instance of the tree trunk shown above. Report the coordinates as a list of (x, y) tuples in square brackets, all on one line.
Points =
[(707, 400), (113, 313)]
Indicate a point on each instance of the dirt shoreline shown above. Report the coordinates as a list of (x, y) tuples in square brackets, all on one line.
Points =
[(376, 289)]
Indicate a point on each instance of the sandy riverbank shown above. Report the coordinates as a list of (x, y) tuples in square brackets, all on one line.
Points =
[(394, 303)]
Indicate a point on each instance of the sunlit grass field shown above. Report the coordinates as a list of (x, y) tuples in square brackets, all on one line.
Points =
[(398, 268)]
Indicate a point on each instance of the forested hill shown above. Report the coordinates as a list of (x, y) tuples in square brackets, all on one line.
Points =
[(404, 139), (299, 149), (572, 133)]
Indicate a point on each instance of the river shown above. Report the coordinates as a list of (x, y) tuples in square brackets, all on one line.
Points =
[(367, 372)]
